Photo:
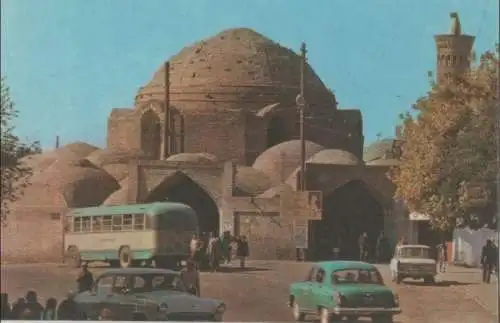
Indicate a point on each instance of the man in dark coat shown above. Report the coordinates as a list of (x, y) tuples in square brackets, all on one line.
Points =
[(243, 250), (363, 246), (84, 279), (382, 248), (489, 256)]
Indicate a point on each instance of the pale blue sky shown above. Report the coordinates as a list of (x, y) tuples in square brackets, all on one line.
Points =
[(69, 62)]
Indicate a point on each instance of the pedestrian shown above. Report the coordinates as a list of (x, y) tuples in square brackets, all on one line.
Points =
[(193, 246), (442, 257), (106, 315), (85, 280), (382, 248), (68, 309), (32, 304), (18, 308), (363, 246), (50, 311), (190, 276), (6, 312), (489, 256), (243, 250), (225, 241), (214, 252)]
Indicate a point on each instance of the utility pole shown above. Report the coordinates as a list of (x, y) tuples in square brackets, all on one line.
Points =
[(57, 142), (301, 103), (167, 131), (497, 137)]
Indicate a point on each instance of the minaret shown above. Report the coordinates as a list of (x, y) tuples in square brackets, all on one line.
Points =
[(454, 51), (57, 142)]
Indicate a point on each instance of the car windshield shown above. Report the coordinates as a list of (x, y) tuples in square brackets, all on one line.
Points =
[(357, 276), (415, 252), (144, 283)]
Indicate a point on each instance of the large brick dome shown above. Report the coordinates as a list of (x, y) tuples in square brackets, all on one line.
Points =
[(234, 65)]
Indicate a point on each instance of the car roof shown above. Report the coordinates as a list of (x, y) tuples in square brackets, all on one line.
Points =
[(344, 264), (137, 271), (414, 246)]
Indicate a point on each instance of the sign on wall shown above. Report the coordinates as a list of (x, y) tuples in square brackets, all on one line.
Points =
[(301, 233)]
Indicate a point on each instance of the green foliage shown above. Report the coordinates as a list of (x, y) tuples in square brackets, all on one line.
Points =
[(447, 166), (15, 175)]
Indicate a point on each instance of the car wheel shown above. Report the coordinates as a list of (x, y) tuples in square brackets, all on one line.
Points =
[(324, 315), (382, 319), (297, 314), (125, 257), (72, 257)]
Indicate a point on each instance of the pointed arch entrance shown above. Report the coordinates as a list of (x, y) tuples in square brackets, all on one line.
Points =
[(181, 188), (348, 211)]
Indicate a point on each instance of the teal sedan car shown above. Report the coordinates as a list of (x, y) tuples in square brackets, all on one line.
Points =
[(343, 289)]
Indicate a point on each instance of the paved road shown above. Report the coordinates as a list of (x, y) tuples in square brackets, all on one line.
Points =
[(260, 293)]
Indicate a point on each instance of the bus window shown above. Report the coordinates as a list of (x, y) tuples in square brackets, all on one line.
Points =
[(107, 222), (86, 224), (127, 222), (117, 223), (139, 222), (77, 224), (97, 224)]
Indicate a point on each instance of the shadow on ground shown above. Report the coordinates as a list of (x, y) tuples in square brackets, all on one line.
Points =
[(442, 283), (240, 270)]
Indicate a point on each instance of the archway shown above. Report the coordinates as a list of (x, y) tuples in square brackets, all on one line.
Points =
[(276, 131), (180, 188), (348, 211), (151, 134)]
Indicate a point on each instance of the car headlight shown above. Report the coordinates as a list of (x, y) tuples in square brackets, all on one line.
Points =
[(395, 296), (221, 308)]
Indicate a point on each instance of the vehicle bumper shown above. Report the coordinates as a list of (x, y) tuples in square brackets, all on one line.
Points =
[(417, 274), (365, 311)]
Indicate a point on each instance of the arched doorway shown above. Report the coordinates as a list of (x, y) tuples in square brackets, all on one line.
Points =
[(276, 131), (180, 188), (348, 211), (151, 134)]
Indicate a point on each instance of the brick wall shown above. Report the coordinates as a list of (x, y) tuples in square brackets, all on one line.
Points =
[(33, 235), (124, 129)]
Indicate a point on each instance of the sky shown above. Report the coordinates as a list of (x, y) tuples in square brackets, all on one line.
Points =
[(69, 62)]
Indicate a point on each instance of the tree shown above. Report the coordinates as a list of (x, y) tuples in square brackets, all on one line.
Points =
[(15, 175), (448, 156)]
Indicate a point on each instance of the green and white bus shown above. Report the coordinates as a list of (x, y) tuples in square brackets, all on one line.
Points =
[(128, 235)]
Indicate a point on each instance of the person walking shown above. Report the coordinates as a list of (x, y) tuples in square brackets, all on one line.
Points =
[(85, 279), (489, 256), (243, 250), (382, 248), (442, 257), (363, 246), (193, 246), (214, 252), (190, 276)]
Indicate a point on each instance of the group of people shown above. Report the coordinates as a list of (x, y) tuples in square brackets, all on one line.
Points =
[(209, 251), (380, 252)]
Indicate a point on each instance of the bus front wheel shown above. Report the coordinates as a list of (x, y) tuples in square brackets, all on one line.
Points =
[(125, 257)]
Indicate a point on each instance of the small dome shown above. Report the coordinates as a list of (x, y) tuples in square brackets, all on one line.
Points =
[(251, 181), (80, 149), (276, 191), (104, 157), (334, 156), (279, 161), (81, 183), (119, 197), (195, 158), (380, 149), (41, 195), (118, 171), (384, 162)]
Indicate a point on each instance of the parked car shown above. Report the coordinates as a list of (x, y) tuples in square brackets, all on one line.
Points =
[(149, 293), (413, 261), (343, 289)]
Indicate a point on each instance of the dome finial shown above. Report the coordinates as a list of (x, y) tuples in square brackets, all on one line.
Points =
[(456, 29)]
